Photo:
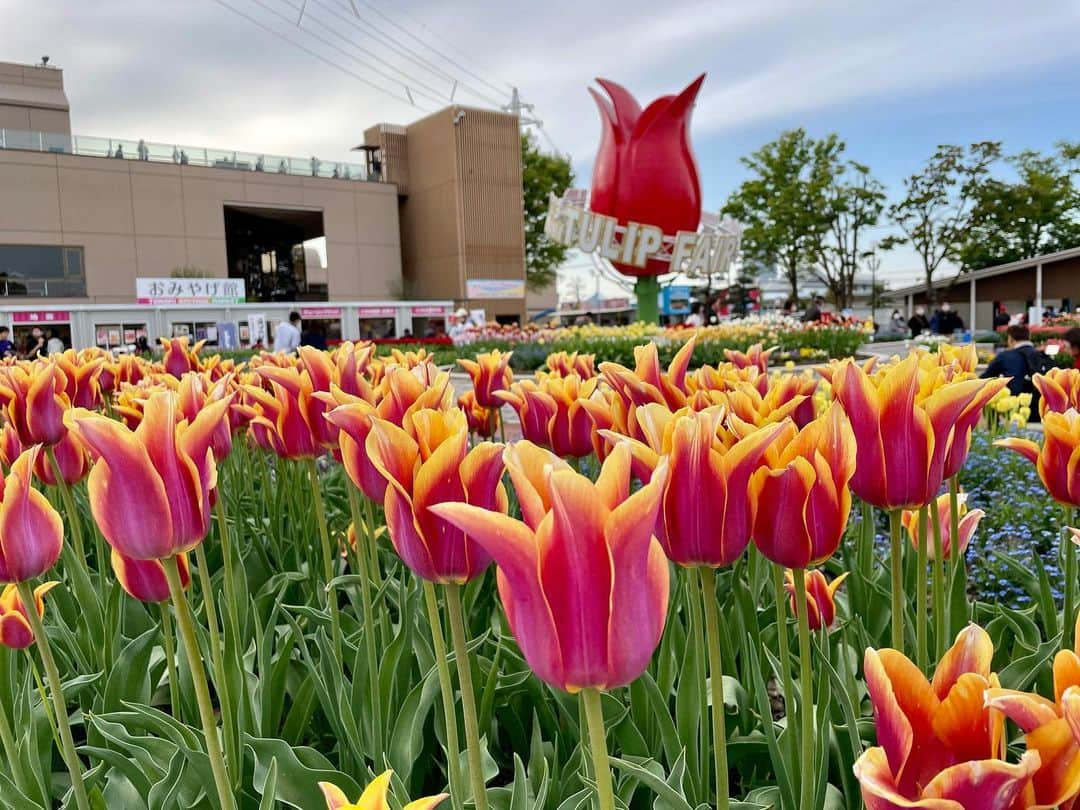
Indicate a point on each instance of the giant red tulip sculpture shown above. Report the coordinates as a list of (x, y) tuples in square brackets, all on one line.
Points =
[(582, 579), (645, 172)]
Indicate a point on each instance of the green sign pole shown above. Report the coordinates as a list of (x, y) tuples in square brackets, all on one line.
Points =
[(647, 289)]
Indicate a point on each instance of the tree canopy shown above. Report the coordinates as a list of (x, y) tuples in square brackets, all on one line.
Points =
[(542, 175)]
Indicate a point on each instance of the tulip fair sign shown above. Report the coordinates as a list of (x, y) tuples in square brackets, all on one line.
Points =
[(638, 246), (644, 207)]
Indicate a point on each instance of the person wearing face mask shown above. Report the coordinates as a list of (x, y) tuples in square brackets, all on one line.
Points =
[(918, 323), (948, 321)]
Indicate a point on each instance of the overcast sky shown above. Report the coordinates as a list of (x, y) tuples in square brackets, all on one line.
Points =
[(893, 79)]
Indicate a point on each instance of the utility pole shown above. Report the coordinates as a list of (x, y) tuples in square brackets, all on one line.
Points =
[(873, 262), (521, 110)]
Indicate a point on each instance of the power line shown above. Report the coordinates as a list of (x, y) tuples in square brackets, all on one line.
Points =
[(412, 82), (404, 50), (431, 47), (312, 52)]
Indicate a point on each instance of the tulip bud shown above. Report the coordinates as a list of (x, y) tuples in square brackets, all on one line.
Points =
[(820, 597), (15, 631)]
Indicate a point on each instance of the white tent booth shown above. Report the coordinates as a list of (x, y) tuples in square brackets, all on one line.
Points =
[(229, 326)]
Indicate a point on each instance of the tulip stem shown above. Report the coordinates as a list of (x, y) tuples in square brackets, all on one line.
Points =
[(446, 685), (716, 684), (594, 716), (1068, 621), (11, 752), (186, 624), (170, 660), (896, 548), (231, 599), (806, 687), (956, 557), (376, 569), (67, 747), (921, 646), (785, 656), (369, 620), (73, 520), (468, 696), (939, 582), (217, 658), (328, 557)]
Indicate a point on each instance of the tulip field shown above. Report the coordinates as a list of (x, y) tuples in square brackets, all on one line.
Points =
[(348, 580)]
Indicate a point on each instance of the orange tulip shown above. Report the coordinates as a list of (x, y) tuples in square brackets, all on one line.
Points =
[(81, 373), (706, 505), (969, 522), (563, 364), (1054, 460), (820, 597), (150, 488), (903, 418), (802, 497), (401, 393), (937, 739), (373, 797), (15, 632), (1052, 728), (648, 382), (428, 463), (490, 372), (353, 361), (145, 579), (582, 580), (482, 421), (31, 532), (755, 357)]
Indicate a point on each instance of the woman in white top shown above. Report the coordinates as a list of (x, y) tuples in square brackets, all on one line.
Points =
[(695, 319)]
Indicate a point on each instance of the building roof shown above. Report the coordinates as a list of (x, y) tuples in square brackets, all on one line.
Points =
[(986, 272)]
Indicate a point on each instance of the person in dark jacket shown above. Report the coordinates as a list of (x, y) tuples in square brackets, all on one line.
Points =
[(918, 323), (948, 321), (1020, 361)]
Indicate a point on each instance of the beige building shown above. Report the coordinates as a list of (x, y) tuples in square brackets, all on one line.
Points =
[(428, 218)]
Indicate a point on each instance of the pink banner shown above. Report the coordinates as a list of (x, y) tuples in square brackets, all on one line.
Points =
[(43, 316)]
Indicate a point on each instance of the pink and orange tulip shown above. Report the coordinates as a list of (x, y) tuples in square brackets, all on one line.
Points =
[(903, 417), (31, 532), (35, 396), (15, 631), (1055, 459), (709, 470), (373, 797), (145, 579), (180, 356), (582, 580), (482, 421), (150, 488), (1059, 390), (425, 464), (801, 495), (648, 382), (552, 415), (563, 364), (969, 522), (820, 597), (490, 373)]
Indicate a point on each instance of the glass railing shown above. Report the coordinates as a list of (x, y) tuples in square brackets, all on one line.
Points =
[(120, 148)]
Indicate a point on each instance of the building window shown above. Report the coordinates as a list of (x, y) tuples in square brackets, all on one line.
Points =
[(42, 271)]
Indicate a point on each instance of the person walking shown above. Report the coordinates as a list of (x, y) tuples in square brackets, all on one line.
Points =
[(1020, 362)]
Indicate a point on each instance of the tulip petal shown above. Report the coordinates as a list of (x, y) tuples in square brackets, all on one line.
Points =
[(904, 705), (1025, 447), (879, 788), (971, 652), (1026, 709), (527, 464), (987, 784), (125, 476), (1059, 777)]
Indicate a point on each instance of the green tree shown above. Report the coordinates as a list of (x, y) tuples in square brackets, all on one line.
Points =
[(1038, 212), (935, 213), (541, 176), (854, 203), (783, 205)]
